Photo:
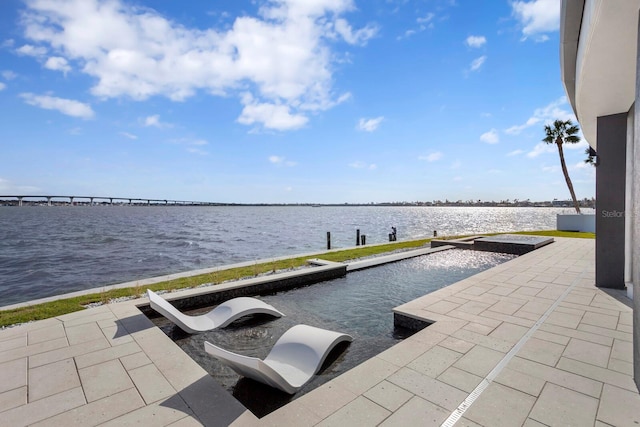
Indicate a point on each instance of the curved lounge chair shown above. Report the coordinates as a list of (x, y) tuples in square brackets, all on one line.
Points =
[(219, 317), (292, 362)]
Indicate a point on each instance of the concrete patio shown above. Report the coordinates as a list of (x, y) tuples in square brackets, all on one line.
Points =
[(531, 342)]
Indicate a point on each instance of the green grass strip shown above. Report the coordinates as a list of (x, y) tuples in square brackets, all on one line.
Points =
[(70, 305)]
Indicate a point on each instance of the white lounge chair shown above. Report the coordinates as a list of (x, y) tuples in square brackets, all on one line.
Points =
[(219, 317), (294, 359)]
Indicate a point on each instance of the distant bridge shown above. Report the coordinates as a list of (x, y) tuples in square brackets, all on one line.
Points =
[(91, 200)]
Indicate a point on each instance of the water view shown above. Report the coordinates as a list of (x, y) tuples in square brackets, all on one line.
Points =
[(51, 251)]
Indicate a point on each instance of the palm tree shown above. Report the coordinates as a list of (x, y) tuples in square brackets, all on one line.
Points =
[(563, 132)]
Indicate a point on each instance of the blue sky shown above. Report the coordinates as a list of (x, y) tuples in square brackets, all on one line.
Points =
[(284, 101)]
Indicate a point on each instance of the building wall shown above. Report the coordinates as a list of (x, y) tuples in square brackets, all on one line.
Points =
[(610, 201), (634, 213)]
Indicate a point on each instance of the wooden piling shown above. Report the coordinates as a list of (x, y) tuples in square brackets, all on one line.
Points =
[(358, 237), (328, 240)]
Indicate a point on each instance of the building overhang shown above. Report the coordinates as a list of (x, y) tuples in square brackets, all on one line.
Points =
[(598, 44)]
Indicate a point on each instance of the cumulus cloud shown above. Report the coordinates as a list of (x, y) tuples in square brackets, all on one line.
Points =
[(477, 63), (490, 137), (2, 86), (370, 125), (281, 161), (545, 115), (283, 56), (541, 148), (30, 50), (537, 17), (154, 121), (69, 107), (358, 37), (432, 157), (57, 63), (270, 115), (475, 41), (515, 153)]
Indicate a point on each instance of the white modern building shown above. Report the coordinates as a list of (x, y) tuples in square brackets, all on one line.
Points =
[(599, 61)]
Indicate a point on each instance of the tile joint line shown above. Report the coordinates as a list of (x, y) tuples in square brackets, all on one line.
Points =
[(466, 403)]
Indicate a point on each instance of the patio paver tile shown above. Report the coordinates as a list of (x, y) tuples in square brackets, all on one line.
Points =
[(625, 336), (96, 412), (541, 351), (104, 379), (43, 408), (13, 398), (46, 334), (83, 333), (551, 337), (151, 384), (479, 361), (106, 354), (30, 350), (597, 373), (328, 398), (478, 328), (434, 361), (564, 378), (366, 375), (430, 389), (387, 395), (159, 414), (588, 352), (564, 319), (66, 352), (51, 379), (17, 342), (520, 381), (574, 333), (135, 360), (561, 406), (509, 332), (619, 407), (602, 320), (512, 405), (360, 411), (13, 374), (621, 366), (417, 411), (460, 379), (456, 344)]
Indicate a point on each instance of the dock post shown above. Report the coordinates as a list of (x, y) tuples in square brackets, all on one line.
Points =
[(358, 237), (435, 233), (364, 239), (328, 240)]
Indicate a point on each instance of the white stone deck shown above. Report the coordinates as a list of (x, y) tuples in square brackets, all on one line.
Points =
[(531, 342)]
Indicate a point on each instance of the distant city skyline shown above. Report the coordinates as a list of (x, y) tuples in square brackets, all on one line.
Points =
[(284, 101)]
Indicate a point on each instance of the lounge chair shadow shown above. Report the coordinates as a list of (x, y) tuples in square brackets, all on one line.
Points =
[(207, 401), (132, 324)]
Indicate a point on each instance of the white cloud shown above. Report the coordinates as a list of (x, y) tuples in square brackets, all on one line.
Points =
[(358, 37), (456, 165), (475, 41), (198, 151), (426, 21), (154, 121), (551, 169), (432, 157), (128, 135), (69, 107), (281, 161), (57, 63), (75, 131), (545, 115), (283, 55), (537, 17), (457, 179), (9, 75), (31, 50), (515, 153), (2, 86), (271, 116), (490, 137), (369, 125), (477, 63), (541, 148)]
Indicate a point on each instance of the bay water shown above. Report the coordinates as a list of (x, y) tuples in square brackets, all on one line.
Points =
[(47, 251)]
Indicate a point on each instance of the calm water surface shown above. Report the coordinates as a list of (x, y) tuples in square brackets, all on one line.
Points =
[(48, 251)]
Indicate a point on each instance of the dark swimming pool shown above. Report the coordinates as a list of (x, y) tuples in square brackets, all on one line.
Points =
[(359, 304)]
